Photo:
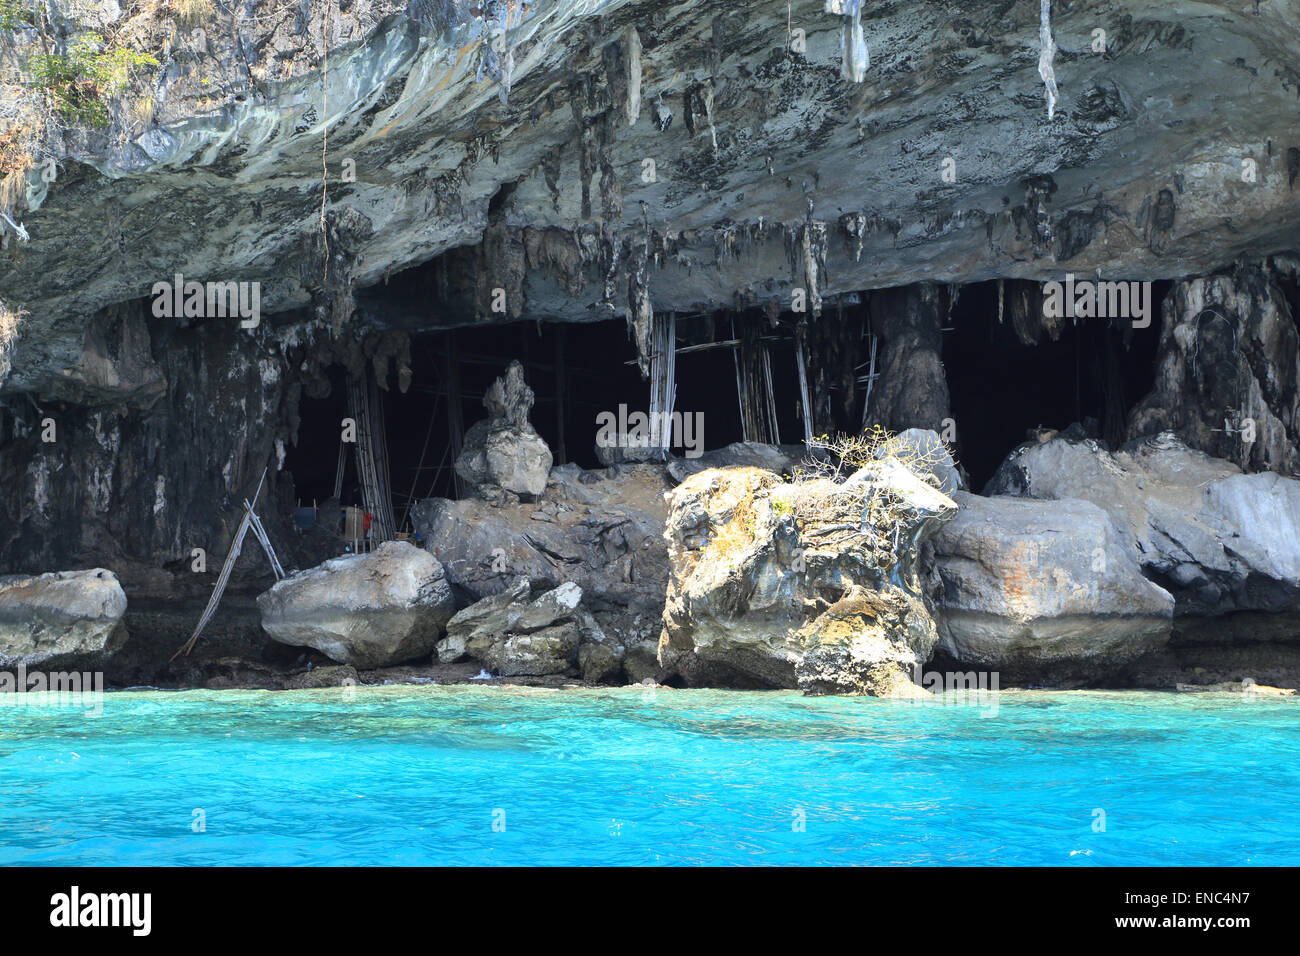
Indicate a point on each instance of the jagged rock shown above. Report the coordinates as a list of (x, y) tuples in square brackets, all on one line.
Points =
[(1042, 592), (854, 646), (504, 450), (486, 618), (513, 636), (1228, 372), (63, 618), (604, 533), (367, 610), (1225, 544), (807, 584), (641, 663), (251, 116)]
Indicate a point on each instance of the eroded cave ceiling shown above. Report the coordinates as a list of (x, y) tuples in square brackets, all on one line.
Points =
[(529, 150)]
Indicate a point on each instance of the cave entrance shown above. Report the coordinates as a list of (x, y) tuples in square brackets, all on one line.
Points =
[(577, 371), (1000, 388)]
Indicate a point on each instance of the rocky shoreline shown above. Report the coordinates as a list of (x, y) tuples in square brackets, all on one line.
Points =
[(1153, 566)]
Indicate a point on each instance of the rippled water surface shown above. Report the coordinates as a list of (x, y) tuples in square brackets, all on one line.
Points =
[(484, 775)]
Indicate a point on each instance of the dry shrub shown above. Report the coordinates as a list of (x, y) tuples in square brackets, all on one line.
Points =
[(9, 322), (190, 13), (826, 509), (15, 160)]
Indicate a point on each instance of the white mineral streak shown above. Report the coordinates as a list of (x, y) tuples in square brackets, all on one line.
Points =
[(853, 45), (708, 112), (1047, 52), (632, 49)]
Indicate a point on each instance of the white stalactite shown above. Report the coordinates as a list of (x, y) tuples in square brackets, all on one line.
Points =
[(853, 44), (1047, 47), (632, 55)]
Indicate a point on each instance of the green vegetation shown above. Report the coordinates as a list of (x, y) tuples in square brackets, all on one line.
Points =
[(12, 13), (81, 82)]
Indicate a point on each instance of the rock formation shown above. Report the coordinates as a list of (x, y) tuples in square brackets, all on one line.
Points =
[(387, 175), (809, 584), (368, 610), (61, 619), (512, 634), (1226, 545), (602, 531), (1042, 592), (1228, 373), (504, 451)]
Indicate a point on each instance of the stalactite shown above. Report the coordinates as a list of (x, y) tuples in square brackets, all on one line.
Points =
[(1047, 47), (706, 97), (814, 260), (632, 61), (854, 57)]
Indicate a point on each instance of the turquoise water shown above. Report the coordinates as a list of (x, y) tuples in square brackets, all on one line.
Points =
[(419, 775)]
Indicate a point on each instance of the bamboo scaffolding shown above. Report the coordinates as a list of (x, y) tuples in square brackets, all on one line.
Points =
[(236, 546)]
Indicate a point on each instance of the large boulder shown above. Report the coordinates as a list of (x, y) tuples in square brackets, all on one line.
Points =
[(513, 634), (68, 618), (504, 450), (808, 584), (368, 610), (1226, 545), (1042, 592)]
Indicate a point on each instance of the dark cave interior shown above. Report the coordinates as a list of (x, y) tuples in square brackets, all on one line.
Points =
[(999, 387)]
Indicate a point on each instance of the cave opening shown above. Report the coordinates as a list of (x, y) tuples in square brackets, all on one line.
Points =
[(576, 371), (1000, 388)]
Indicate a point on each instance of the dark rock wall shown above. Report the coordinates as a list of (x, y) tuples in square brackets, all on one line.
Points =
[(137, 484), (1228, 371)]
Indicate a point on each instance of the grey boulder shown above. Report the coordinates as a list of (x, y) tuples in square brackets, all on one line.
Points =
[(1042, 592), (368, 610), (63, 617), (1225, 544)]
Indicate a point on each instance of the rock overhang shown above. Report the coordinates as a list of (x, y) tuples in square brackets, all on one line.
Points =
[(1133, 141)]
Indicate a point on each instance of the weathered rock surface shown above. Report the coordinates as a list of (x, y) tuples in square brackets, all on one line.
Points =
[(68, 618), (1228, 372), (368, 610), (799, 585), (457, 140), (913, 390), (601, 530), (512, 635), (504, 450), (344, 675), (1042, 592), (1226, 545)]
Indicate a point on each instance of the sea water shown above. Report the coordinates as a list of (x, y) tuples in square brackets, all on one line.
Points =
[(492, 775)]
